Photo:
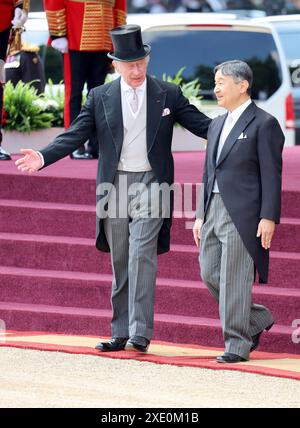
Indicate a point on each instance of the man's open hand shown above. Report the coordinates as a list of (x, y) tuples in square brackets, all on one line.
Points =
[(265, 230), (196, 230), (30, 163)]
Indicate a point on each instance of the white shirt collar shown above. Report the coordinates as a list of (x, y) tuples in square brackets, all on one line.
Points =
[(125, 87), (236, 113)]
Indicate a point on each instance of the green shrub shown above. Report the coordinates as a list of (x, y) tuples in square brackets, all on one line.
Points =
[(24, 110)]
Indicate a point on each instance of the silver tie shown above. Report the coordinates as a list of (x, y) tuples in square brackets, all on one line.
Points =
[(134, 101)]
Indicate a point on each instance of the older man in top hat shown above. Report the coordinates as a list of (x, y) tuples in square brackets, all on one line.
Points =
[(133, 118)]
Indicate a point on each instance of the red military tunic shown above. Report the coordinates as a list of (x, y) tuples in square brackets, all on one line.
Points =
[(85, 23), (7, 8)]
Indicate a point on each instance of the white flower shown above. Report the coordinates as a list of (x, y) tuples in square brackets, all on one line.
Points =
[(39, 103), (46, 104)]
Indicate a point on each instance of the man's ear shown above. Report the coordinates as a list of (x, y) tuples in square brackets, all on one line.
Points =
[(115, 65), (244, 86)]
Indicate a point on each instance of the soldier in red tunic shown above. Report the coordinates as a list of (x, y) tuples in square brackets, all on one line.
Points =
[(11, 15), (80, 30)]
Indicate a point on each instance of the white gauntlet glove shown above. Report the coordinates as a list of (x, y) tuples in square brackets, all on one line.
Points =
[(61, 44), (20, 18)]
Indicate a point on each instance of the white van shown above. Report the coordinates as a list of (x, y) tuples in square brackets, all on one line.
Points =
[(200, 41)]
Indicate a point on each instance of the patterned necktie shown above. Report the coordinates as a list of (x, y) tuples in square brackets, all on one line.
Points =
[(133, 100)]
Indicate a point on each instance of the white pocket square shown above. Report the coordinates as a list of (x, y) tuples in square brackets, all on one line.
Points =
[(166, 111), (242, 136)]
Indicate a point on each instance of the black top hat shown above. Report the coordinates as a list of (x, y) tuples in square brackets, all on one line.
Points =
[(128, 43)]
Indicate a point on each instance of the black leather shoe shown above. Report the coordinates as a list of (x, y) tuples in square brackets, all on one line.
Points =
[(137, 343), (80, 154), (227, 357), (4, 155), (114, 344), (256, 337)]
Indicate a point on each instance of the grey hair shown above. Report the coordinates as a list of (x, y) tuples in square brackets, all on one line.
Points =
[(238, 70)]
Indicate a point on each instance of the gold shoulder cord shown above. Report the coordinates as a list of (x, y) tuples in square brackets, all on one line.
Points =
[(15, 43)]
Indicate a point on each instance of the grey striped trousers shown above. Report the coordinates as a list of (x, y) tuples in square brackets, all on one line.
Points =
[(133, 244), (228, 271)]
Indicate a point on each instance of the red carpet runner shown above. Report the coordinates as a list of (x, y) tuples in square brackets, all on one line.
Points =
[(264, 363)]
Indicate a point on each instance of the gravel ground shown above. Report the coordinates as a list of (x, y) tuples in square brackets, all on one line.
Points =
[(35, 379)]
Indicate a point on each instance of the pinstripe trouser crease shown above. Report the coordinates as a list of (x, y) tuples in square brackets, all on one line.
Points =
[(228, 271), (133, 244)]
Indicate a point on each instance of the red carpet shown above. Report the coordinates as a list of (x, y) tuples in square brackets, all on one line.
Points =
[(53, 279), (264, 363)]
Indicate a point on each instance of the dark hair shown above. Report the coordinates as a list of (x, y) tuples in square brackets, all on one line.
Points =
[(238, 70)]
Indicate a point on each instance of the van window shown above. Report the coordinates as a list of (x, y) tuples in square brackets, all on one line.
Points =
[(201, 49)]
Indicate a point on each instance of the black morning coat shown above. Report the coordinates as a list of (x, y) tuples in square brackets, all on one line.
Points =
[(248, 173)]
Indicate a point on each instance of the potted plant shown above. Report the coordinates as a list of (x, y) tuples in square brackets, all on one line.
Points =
[(30, 119)]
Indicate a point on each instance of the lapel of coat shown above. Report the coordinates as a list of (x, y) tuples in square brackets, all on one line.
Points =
[(247, 117), (156, 98), (213, 140), (113, 113)]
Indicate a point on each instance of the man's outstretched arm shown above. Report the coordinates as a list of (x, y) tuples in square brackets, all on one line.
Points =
[(64, 144)]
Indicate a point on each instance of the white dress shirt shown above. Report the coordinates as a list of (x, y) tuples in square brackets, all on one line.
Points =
[(229, 123)]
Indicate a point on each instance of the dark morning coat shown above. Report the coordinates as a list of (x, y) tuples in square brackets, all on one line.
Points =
[(103, 114), (248, 172)]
